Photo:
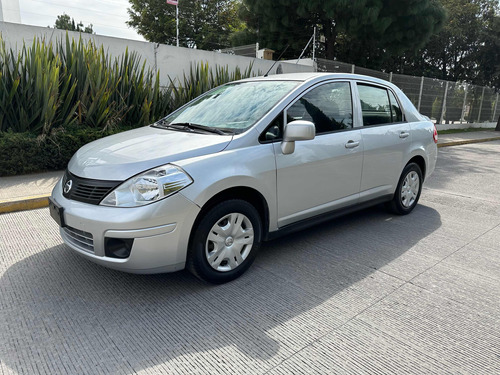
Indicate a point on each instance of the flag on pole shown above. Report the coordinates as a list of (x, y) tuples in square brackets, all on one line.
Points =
[(176, 3)]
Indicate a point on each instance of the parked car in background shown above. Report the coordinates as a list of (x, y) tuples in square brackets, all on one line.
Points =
[(245, 162)]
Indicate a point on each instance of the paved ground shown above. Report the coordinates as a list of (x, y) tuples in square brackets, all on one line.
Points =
[(367, 293)]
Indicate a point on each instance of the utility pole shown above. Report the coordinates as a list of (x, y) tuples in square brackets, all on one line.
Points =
[(176, 3), (314, 44)]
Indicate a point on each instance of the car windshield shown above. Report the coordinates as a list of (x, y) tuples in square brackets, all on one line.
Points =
[(232, 108)]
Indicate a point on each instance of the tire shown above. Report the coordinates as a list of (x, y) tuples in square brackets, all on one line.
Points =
[(225, 242), (407, 194)]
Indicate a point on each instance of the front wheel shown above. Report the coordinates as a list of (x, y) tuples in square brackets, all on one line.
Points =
[(408, 191), (225, 242)]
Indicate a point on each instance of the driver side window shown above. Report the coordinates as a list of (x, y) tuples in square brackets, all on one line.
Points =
[(274, 131), (328, 106)]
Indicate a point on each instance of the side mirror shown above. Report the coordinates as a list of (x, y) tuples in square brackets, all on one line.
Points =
[(297, 131)]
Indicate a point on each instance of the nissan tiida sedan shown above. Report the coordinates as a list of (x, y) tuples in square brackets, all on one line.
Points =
[(243, 163)]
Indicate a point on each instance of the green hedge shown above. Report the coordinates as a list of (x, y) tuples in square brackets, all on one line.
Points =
[(22, 153)]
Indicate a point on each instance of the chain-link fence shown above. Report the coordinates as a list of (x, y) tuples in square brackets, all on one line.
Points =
[(444, 102)]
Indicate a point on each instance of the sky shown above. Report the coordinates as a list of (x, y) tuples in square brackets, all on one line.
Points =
[(107, 17)]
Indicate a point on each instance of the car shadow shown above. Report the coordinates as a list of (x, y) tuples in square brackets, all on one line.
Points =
[(64, 314)]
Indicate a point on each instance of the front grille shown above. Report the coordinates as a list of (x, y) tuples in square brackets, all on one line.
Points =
[(80, 239), (87, 190)]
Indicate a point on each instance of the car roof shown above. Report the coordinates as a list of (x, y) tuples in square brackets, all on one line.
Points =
[(315, 76), (286, 77)]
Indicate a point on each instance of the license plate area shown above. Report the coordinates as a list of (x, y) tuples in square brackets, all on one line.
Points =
[(57, 213)]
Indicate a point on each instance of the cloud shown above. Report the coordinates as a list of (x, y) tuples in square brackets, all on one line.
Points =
[(108, 18)]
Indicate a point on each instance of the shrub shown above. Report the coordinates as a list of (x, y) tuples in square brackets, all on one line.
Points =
[(22, 153)]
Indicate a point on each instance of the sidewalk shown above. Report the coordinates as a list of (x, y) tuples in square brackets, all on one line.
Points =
[(454, 139), (27, 192), (31, 191)]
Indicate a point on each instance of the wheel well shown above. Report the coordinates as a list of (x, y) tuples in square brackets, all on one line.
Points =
[(250, 195), (419, 160)]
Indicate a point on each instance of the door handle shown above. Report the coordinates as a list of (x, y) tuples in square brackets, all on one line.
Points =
[(352, 144), (404, 135)]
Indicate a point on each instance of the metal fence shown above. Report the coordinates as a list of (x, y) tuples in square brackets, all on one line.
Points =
[(445, 102), (249, 50)]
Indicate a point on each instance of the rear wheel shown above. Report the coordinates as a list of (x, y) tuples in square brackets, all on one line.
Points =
[(408, 191), (225, 242)]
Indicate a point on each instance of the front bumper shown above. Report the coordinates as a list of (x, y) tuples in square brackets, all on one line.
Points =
[(160, 231)]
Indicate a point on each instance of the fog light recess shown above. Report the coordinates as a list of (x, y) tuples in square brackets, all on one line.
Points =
[(118, 247)]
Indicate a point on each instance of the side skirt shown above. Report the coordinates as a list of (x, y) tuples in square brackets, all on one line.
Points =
[(307, 223)]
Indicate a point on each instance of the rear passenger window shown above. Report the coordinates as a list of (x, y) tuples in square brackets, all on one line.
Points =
[(375, 105), (397, 115), (328, 106)]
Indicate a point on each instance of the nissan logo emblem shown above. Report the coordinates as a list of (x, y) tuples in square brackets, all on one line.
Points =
[(68, 186)]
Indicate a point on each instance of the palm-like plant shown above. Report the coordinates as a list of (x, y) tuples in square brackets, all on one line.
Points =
[(72, 83)]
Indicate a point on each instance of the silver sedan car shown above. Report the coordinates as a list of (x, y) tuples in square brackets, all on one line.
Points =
[(243, 163)]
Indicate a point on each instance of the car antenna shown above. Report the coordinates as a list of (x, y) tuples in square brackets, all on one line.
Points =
[(272, 66)]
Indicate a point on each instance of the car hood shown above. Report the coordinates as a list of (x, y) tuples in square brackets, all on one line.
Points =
[(126, 154)]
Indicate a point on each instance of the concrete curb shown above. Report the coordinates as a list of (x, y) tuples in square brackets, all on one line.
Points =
[(28, 203), (468, 141)]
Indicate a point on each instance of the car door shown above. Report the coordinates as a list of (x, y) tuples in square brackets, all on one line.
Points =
[(386, 140), (324, 173)]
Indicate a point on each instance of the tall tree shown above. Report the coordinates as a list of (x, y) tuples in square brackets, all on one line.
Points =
[(466, 49), (65, 22), (488, 57), (246, 33), (203, 24), (455, 50), (392, 26)]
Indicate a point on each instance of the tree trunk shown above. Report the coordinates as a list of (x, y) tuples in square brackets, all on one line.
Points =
[(330, 39), (498, 125)]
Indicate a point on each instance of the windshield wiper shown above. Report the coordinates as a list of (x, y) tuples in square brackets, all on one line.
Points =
[(191, 126)]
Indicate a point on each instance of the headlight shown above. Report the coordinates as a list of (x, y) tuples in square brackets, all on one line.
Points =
[(148, 187)]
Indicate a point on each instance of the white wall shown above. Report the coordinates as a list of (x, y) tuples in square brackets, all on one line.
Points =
[(169, 60), (9, 11)]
